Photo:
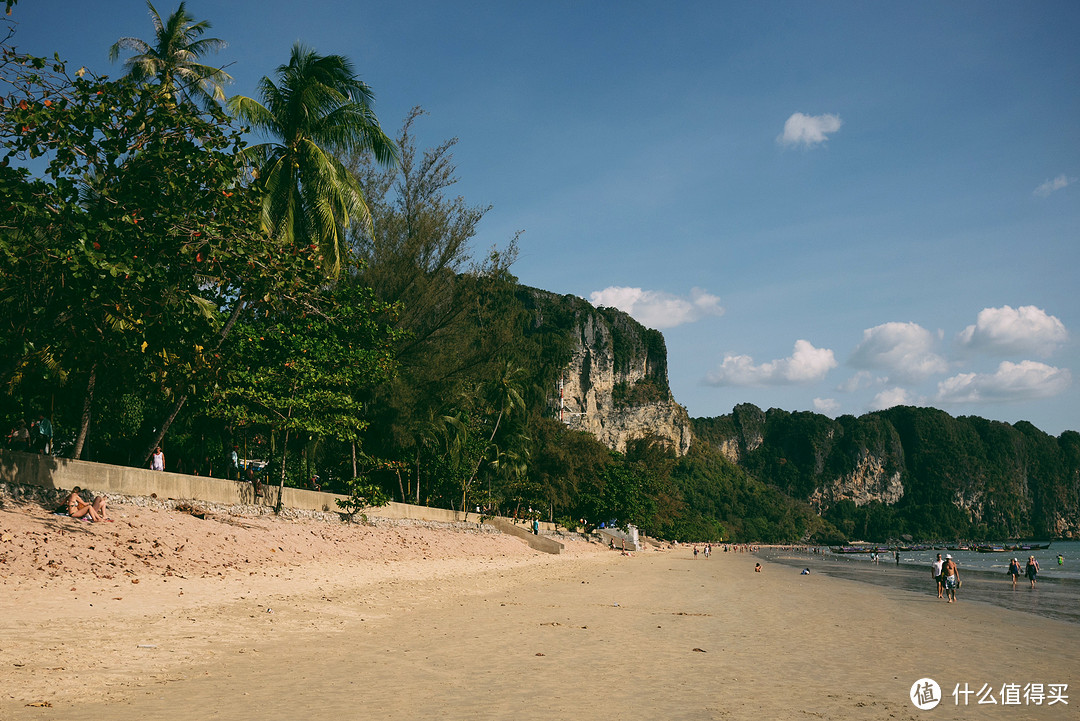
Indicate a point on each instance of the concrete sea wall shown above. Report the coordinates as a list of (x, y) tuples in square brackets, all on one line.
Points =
[(64, 474)]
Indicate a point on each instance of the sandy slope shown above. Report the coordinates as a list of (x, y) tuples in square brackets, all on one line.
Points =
[(330, 622)]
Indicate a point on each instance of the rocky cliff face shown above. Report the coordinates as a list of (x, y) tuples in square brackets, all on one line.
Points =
[(941, 476), (615, 385), (869, 481)]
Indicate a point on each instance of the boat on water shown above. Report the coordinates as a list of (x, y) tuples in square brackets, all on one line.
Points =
[(860, 549), (991, 549), (1008, 547)]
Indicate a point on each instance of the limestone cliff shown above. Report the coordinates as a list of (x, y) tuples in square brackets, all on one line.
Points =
[(615, 385), (937, 476), (869, 481)]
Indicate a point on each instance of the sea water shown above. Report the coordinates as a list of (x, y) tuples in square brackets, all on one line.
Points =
[(984, 575), (992, 562)]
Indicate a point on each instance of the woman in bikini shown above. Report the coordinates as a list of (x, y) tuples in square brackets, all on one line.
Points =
[(76, 507)]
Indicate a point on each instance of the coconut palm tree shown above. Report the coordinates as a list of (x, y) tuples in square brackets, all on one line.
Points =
[(317, 107), (173, 58)]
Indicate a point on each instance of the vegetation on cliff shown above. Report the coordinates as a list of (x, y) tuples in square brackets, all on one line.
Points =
[(961, 478)]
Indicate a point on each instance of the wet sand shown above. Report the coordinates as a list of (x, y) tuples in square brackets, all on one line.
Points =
[(1055, 598), (520, 635)]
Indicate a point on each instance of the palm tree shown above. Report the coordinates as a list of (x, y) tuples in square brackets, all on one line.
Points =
[(173, 58), (316, 108)]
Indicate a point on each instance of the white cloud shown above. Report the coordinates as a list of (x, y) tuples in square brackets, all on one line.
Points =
[(891, 397), (1051, 186), (828, 406), (808, 130), (1022, 381), (905, 350), (862, 379), (806, 365), (656, 309), (1002, 331)]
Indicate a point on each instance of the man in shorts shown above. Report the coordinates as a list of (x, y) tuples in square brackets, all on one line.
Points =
[(935, 571), (951, 574)]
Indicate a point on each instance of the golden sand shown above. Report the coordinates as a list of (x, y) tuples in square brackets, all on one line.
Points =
[(292, 620)]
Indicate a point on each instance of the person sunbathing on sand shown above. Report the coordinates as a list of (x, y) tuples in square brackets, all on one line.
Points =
[(76, 507)]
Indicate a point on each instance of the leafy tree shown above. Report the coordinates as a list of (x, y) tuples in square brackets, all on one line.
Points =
[(117, 259), (173, 57), (303, 370), (316, 108)]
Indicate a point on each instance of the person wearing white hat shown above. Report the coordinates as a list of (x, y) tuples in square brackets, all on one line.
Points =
[(952, 577)]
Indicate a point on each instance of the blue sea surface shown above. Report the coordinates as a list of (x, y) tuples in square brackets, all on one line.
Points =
[(984, 575)]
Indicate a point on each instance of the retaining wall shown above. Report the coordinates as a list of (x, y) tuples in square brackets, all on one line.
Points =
[(65, 473)]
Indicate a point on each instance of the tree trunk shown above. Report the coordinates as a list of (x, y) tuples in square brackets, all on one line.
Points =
[(84, 425), (281, 487), (240, 303), (354, 459), (401, 487)]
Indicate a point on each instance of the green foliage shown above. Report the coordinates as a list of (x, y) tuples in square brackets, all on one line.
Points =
[(119, 256), (172, 58), (362, 495), (963, 478), (317, 107), (723, 502), (301, 370)]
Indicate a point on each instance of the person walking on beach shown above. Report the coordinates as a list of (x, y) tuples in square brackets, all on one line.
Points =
[(952, 577), (157, 461), (1014, 571), (1032, 570), (935, 571)]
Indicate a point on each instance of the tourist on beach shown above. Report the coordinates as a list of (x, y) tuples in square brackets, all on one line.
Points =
[(157, 461), (757, 568), (76, 507), (234, 464), (935, 571), (1032, 570), (43, 433), (952, 577), (254, 481), (1014, 571), (19, 438), (1061, 560)]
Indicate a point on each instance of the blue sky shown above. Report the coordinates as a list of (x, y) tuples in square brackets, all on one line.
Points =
[(826, 206)]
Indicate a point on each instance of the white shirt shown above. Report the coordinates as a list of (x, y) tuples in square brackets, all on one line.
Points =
[(937, 567)]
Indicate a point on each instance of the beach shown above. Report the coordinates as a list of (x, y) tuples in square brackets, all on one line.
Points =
[(256, 618)]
